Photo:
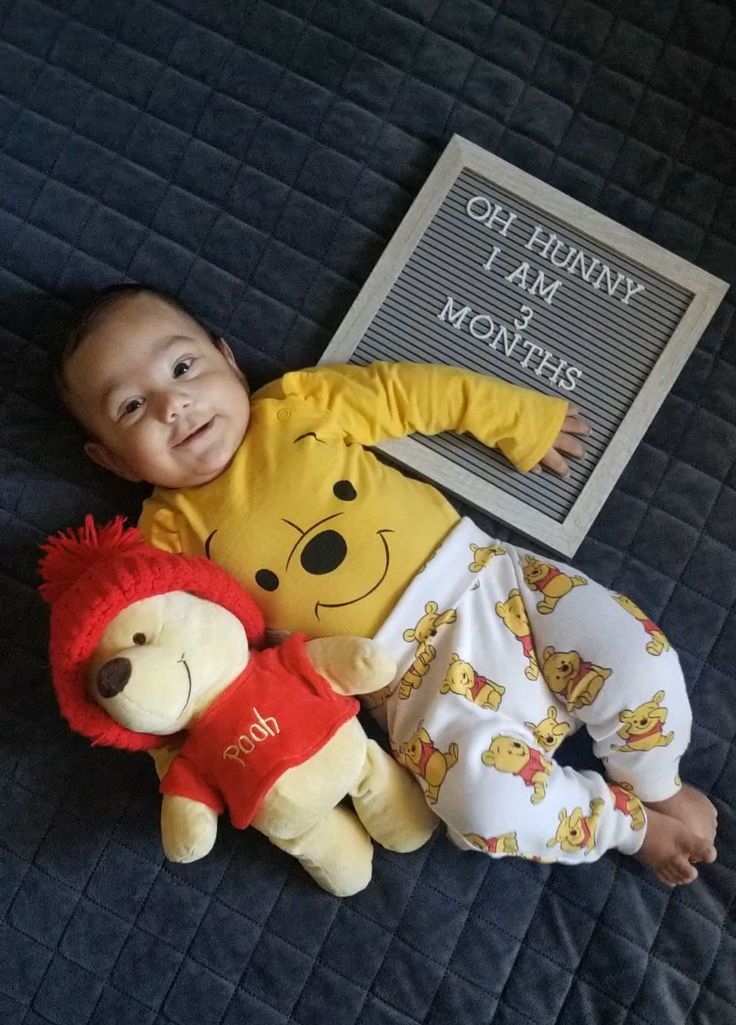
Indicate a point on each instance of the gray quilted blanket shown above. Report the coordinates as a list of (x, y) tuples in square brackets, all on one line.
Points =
[(255, 156)]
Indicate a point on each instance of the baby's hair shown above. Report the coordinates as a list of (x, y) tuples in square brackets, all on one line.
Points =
[(91, 313)]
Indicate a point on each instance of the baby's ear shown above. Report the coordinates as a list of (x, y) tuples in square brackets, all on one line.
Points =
[(102, 455), (227, 352)]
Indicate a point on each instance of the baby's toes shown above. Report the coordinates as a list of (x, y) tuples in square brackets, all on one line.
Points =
[(677, 871), (682, 872), (699, 849)]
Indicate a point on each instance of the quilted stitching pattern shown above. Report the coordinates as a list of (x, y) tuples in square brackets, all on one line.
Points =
[(255, 158)]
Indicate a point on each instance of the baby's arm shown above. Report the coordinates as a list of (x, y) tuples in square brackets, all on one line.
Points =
[(391, 400)]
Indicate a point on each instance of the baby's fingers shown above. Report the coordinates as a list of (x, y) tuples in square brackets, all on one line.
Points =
[(574, 422), (569, 445), (555, 462)]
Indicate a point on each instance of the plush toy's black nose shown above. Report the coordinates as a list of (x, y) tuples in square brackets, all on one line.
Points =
[(113, 676)]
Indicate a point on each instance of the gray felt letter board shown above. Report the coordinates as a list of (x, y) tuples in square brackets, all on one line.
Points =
[(493, 270)]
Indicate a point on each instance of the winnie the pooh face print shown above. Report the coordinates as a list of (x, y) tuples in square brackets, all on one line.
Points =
[(429, 623), (420, 755), (309, 540), (548, 733), (461, 678), (507, 754), (576, 832), (572, 678), (482, 556), (642, 726), (550, 581)]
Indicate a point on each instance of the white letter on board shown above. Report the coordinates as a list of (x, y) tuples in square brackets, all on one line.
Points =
[(571, 374), (481, 209), (538, 236), (532, 349), (518, 276), (631, 290), (456, 317), (484, 335), (546, 291), (611, 285), (491, 258)]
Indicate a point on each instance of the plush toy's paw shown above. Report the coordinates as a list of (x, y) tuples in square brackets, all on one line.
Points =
[(336, 852), (390, 803), (353, 665), (373, 666), (188, 829)]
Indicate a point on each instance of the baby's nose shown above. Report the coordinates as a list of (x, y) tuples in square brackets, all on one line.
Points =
[(171, 404), (113, 676)]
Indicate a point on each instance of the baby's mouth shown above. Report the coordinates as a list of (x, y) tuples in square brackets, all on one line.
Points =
[(195, 434)]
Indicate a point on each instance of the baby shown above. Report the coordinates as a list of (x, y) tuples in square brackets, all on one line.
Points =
[(501, 653)]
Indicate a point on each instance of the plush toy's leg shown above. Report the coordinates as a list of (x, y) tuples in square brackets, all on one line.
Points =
[(336, 852), (390, 803), (188, 828)]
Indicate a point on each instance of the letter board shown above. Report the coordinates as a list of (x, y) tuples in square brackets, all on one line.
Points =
[(493, 270)]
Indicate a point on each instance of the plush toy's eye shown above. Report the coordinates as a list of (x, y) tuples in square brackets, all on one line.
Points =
[(139, 638)]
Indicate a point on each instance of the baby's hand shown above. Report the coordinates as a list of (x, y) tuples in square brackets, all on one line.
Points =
[(565, 444)]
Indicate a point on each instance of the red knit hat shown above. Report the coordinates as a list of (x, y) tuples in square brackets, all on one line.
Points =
[(92, 574)]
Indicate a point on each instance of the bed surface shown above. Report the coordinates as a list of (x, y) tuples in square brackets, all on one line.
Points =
[(255, 157)]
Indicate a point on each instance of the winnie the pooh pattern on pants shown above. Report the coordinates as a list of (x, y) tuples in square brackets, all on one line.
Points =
[(502, 654)]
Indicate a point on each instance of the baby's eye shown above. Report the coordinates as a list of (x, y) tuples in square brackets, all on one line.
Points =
[(182, 366), (131, 406)]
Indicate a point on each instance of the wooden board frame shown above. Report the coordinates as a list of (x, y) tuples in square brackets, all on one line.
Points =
[(707, 293)]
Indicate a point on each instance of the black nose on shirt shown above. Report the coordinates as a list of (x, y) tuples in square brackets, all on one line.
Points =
[(325, 552), (113, 676)]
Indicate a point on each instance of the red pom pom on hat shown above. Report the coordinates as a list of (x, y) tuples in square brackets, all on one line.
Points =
[(92, 574)]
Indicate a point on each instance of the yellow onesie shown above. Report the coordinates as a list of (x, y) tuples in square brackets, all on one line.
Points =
[(323, 535)]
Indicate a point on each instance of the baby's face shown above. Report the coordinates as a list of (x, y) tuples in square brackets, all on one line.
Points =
[(161, 402)]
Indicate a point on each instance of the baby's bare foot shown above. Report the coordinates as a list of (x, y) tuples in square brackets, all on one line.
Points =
[(693, 809), (670, 848)]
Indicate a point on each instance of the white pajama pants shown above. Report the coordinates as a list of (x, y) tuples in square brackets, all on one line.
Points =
[(502, 654)]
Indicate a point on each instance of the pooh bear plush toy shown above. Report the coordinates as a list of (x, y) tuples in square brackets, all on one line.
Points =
[(146, 645)]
